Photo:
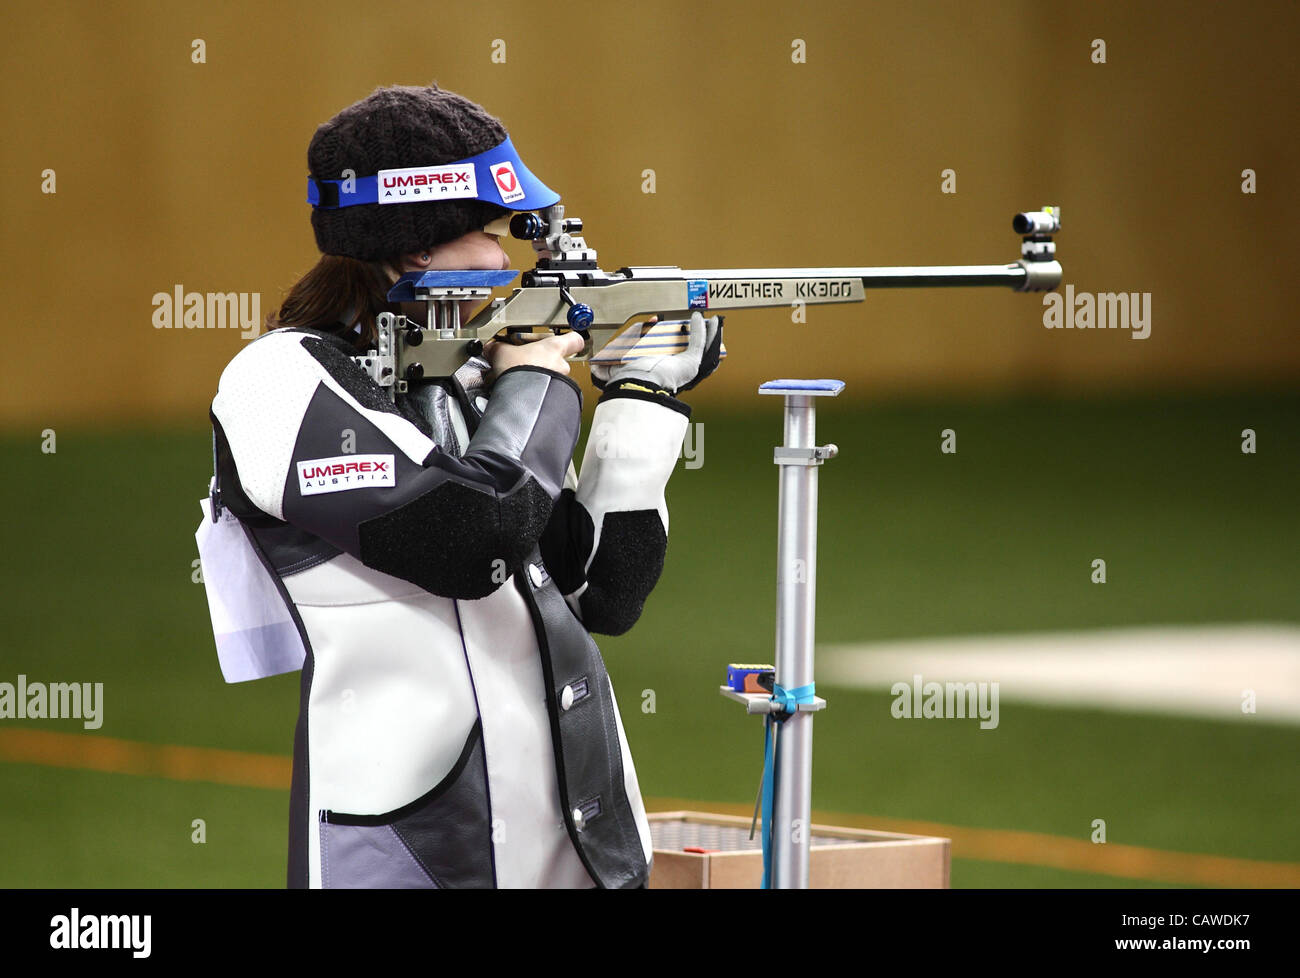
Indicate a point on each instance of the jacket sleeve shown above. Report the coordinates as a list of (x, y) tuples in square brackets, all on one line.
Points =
[(305, 437), (606, 540)]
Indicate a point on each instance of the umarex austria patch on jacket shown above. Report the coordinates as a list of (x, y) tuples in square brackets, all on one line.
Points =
[(342, 472)]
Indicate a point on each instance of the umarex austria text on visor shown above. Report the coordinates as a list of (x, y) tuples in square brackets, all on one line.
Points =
[(497, 176)]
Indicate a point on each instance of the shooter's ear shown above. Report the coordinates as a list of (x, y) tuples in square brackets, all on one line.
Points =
[(413, 262)]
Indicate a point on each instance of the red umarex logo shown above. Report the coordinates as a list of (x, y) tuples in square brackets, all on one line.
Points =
[(420, 183), (507, 182), (319, 475)]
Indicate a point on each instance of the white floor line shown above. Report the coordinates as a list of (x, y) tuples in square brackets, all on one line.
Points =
[(1190, 670)]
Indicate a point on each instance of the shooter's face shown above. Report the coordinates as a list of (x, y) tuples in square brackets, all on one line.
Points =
[(476, 250)]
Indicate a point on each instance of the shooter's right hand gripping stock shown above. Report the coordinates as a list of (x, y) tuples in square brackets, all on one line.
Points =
[(567, 290)]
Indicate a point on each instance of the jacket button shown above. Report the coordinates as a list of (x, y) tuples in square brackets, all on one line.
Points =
[(536, 574), (579, 820), (566, 697)]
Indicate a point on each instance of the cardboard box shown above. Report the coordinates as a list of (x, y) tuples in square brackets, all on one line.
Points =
[(841, 858)]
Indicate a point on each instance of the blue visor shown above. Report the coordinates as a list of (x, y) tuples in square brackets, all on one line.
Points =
[(497, 176)]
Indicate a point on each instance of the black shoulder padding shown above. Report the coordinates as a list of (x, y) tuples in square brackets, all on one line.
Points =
[(626, 568), (349, 375), (481, 537), (566, 542)]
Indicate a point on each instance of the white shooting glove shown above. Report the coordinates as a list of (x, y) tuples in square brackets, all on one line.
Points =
[(672, 372)]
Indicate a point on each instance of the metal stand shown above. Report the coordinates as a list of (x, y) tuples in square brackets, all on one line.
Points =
[(796, 612)]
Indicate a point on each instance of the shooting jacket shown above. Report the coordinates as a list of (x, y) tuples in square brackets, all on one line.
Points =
[(435, 567)]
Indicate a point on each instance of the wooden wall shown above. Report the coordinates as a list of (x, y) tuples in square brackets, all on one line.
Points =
[(174, 173)]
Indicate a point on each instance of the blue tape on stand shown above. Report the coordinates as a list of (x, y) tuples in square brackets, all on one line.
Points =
[(769, 789), (789, 700)]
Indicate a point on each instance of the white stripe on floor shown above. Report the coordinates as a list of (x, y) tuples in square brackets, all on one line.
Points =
[(1201, 671)]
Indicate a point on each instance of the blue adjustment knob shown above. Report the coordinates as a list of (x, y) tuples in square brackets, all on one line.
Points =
[(581, 317)]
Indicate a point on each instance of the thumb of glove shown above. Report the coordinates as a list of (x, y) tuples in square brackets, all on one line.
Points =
[(695, 343)]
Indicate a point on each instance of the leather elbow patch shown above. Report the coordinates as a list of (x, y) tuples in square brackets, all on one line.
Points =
[(455, 541), (566, 542), (626, 568)]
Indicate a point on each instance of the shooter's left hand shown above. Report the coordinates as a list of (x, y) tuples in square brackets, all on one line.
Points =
[(673, 372)]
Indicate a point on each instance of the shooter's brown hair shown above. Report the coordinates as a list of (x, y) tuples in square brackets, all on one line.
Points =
[(337, 293)]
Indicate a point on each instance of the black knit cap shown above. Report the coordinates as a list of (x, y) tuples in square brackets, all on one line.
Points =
[(391, 128)]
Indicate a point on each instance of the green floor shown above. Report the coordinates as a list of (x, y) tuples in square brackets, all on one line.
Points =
[(96, 575)]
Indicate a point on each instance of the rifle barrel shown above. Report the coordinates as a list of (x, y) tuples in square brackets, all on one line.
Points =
[(900, 276)]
